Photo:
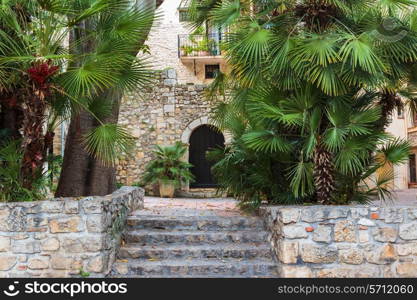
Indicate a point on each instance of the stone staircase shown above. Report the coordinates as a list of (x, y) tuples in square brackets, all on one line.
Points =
[(166, 245)]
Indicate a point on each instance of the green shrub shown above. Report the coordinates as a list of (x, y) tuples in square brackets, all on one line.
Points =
[(168, 165), (11, 183)]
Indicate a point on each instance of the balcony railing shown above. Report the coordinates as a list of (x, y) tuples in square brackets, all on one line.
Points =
[(192, 45)]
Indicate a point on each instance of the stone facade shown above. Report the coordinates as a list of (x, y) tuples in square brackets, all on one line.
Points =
[(162, 114), (163, 45), (344, 241), (61, 237)]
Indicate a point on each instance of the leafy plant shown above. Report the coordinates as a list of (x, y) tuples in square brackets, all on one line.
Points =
[(11, 182), (311, 87), (168, 165)]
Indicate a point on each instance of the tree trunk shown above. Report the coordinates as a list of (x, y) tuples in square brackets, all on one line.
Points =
[(323, 174), (81, 174), (76, 164)]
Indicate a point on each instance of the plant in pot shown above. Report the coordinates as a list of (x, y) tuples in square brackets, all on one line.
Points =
[(203, 48), (167, 169)]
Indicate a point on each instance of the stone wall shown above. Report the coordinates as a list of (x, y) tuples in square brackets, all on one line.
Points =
[(158, 115), (344, 241), (60, 237), (163, 46)]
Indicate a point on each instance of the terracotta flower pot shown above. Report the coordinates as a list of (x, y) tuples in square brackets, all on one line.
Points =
[(167, 188)]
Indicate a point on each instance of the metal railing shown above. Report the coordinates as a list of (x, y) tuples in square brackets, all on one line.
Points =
[(197, 45)]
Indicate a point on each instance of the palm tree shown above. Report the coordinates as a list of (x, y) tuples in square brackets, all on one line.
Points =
[(60, 79), (329, 51)]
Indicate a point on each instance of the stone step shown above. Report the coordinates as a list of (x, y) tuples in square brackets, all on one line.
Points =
[(242, 251), (195, 223), (197, 268), (151, 237)]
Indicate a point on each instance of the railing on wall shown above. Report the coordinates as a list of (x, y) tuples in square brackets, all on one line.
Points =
[(199, 45)]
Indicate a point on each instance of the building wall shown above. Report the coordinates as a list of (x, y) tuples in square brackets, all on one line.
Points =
[(399, 128), (163, 44), (163, 114)]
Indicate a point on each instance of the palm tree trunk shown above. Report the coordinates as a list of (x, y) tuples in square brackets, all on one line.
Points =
[(81, 174), (323, 174)]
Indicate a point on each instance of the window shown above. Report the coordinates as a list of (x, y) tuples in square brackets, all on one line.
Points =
[(211, 71), (184, 15), (400, 112)]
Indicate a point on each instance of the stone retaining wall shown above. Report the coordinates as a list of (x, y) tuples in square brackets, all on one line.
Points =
[(61, 237), (344, 241)]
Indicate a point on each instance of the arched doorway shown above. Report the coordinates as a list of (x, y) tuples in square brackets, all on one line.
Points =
[(202, 139)]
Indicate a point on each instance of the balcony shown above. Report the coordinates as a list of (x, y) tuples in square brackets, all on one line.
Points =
[(201, 47)]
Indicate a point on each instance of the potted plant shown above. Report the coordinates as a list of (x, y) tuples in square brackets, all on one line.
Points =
[(168, 169), (203, 48)]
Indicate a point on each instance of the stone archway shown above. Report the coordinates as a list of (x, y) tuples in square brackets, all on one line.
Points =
[(203, 139), (186, 136)]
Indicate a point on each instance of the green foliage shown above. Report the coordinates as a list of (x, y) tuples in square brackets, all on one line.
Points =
[(311, 88), (168, 165), (95, 65), (11, 182)]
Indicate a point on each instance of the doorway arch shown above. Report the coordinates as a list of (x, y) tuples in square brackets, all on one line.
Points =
[(202, 139)]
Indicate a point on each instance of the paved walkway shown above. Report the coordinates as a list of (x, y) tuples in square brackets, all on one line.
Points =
[(192, 206), (401, 198), (228, 206)]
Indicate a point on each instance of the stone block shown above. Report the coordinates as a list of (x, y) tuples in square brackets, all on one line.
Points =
[(385, 234), (4, 243), (412, 213), (323, 233), (295, 272), (313, 214), (363, 236), (71, 207), (407, 249), (26, 246), (72, 245), (353, 256), (363, 271), (288, 251), (408, 231), (68, 224), (294, 231), (16, 220), (359, 212), (51, 244), (407, 270), (380, 255), (289, 215), (311, 253), (344, 231), (39, 263), (7, 262), (92, 205), (97, 264), (98, 223), (392, 214), (54, 206), (60, 262), (338, 212)]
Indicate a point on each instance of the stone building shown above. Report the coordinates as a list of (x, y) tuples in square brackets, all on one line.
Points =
[(174, 108)]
